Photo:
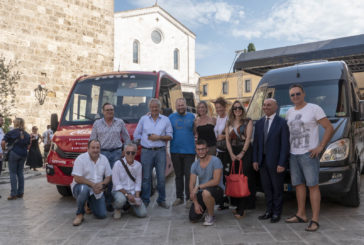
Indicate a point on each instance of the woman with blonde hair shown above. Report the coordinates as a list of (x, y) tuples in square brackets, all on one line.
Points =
[(17, 141), (204, 127), (238, 132)]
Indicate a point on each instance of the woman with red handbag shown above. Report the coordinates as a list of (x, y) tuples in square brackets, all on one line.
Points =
[(238, 132)]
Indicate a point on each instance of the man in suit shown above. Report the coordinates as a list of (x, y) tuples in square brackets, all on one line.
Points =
[(270, 156)]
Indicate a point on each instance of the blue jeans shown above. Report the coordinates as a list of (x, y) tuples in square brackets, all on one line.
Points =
[(112, 156), (304, 169), (120, 201), (16, 169), (82, 194), (150, 159)]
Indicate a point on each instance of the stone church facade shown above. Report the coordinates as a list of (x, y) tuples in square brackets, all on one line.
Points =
[(54, 42), (150, 39)]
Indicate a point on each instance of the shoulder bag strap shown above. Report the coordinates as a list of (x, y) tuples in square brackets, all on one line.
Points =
[(241, 167), (232, 167), (127, 170)]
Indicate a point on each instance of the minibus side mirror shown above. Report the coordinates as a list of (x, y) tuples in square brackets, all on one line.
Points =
[(361, 110), (54, 122)]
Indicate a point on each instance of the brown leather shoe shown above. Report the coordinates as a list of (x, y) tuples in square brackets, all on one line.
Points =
[(78, 220), (20, 196), (12, 198)]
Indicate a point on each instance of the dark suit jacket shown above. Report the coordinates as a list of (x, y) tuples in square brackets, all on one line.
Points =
[(277, 151)]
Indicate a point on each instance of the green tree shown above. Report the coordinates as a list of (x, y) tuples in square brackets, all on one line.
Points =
[(251, 47), (8, 80)]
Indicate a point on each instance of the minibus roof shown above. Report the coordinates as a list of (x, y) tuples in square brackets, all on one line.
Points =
[(305, 72), (349, 49)]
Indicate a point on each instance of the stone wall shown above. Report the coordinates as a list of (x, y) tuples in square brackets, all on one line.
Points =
[(54, 42)]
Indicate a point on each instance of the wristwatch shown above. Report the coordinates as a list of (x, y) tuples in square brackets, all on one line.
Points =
[(126, 194)]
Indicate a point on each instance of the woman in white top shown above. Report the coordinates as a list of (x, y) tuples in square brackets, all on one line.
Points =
[(219, 129)]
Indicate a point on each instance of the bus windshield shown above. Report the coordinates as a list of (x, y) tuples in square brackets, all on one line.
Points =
[(330, 95), (129, 93)]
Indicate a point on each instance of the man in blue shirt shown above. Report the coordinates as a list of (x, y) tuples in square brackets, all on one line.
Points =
[(154, 131), (210, 190), (182, 150)]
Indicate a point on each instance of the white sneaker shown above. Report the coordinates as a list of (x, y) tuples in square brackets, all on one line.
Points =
[(117, 214), (209, 220)]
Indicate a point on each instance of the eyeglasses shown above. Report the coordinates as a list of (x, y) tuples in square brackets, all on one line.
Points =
[(296, 94), (201, 149), (130, 153), (109, 110), (237, 108)]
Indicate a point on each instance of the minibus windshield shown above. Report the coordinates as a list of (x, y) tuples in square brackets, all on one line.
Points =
[(129, 93), (330, 95)]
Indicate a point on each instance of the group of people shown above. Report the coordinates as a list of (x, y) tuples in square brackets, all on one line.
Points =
[(21, 148), (203, 150)]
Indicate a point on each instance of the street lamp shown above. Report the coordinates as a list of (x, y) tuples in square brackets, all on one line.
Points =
[(40, 94)]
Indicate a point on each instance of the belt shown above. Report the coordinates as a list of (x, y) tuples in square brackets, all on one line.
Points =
[(153, 148), (112, 149)]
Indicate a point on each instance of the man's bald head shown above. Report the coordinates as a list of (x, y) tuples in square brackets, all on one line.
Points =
[(270, 106)]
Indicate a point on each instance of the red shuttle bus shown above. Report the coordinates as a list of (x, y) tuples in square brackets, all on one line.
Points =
[(129, 92)]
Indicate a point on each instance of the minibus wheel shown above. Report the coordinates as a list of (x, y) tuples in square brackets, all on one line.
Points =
[(352, 198), (64, 190)]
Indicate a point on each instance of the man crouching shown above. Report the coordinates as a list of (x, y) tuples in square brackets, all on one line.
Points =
[(88, 183), (127, 183), (210, 190)]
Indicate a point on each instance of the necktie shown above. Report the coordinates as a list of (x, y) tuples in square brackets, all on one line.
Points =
[(266, 125)]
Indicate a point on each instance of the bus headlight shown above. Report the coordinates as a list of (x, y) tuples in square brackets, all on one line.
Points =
[(339, 150)]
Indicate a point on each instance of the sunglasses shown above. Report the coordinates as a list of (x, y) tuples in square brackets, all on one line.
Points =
[(237, 108), (296, 94), (130, 153), (109, 110)]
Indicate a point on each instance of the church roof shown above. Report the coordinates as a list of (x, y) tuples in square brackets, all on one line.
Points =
[(154, 9)]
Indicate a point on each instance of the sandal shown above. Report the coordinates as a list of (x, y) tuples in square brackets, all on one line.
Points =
[(297, 219), (309, 227), (239, 216)]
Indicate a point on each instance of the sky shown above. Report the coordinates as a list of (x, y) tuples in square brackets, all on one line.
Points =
[(224, 26)]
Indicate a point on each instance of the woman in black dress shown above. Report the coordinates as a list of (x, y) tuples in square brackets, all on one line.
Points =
[(34, 159), (204, 127), (238, 132)]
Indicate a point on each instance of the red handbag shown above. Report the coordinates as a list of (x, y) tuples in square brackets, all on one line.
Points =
[(236, 183)]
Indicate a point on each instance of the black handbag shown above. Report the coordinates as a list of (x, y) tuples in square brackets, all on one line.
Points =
[(8, 149)]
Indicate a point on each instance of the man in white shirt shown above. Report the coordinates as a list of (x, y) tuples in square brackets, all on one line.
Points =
[(127, 183), (91, 174), (303, 121)]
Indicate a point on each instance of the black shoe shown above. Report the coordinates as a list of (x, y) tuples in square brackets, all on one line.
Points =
[(275, 218), (163, 205), (110, 208), (265, 216)]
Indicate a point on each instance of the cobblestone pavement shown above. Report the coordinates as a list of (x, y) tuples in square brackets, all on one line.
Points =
[(44, 217)]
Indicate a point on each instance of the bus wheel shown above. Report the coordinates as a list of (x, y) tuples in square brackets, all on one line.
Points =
[(64, 190), (352, 198)]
